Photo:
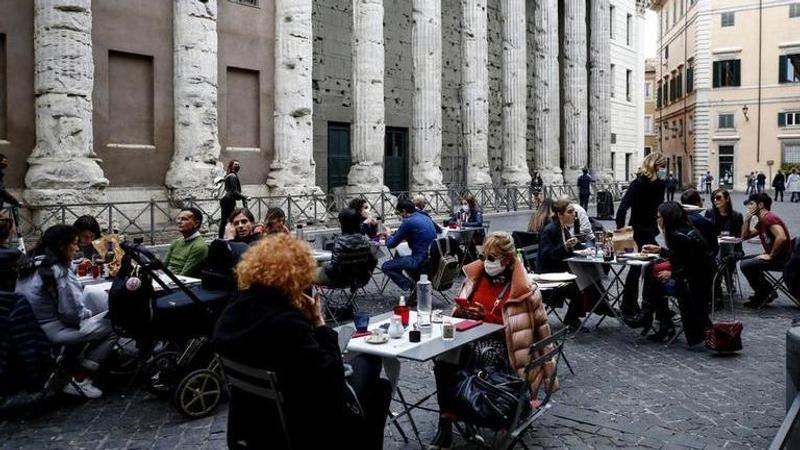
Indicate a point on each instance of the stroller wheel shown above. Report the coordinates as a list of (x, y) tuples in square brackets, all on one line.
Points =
[(160, 373), (198, 393)]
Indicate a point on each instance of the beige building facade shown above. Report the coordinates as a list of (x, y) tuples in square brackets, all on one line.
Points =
[(728, 87), (650, 133)]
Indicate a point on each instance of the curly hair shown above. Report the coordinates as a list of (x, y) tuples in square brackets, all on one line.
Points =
[(500, 244), (281, 262)]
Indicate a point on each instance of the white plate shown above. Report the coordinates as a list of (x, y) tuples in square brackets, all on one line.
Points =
[(558, 276), (375, 339), (640, 255)]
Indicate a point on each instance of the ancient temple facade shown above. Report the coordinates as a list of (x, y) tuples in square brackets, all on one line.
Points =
[(110, 101)]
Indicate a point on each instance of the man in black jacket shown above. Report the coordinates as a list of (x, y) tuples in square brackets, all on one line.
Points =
[(693, 205), (585, 189), (350, 247), (233, 192)]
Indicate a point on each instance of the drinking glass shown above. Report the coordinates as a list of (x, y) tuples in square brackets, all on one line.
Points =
[(361, 321)]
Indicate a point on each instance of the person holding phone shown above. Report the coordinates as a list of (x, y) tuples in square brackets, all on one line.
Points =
[(273, 325), (496, 290)]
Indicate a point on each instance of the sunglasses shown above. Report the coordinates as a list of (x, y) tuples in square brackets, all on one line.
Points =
[(489, 258), (719, 197)]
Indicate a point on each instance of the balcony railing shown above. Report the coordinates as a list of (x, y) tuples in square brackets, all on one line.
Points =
[(153, 220)]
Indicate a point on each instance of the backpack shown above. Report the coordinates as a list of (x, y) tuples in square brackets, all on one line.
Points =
[(219, 187), (446, 269)]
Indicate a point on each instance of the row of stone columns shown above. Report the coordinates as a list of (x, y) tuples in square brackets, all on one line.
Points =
[(64, 157)]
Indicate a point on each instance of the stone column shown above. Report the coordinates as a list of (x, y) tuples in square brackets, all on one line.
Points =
[(475, 91), (600, 91), (426, 130), (195, 161), (547, 107), (292, 168), (515, 77), (369, 126), (63, 165), (574, 117)]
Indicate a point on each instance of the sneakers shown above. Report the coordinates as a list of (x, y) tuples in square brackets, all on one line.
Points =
[(83, 388)]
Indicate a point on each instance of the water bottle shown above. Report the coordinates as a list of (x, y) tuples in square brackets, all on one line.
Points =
[(299, 232), (424, 305)]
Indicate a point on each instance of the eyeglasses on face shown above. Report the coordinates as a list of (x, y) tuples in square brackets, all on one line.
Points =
[(490, 258), (719, 197)]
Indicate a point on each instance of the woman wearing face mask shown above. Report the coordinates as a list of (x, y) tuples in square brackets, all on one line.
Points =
[(555, 245), (469, 214), (369, 225), (495, 290), (643, 196)]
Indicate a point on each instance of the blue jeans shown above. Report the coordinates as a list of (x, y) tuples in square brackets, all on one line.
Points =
[(394, 270)]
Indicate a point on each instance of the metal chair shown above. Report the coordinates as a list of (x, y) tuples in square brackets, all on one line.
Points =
[(776, 283), (529, 409), (357, 267), (259, 382)]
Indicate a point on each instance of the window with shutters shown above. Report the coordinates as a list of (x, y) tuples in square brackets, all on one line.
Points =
[(690, 77), (727, 73), (794, 10), (789, 68), (611, 10), (791, 152), (679, 83), (613, 138), (629, 29), (666, 51), (789, 119), (612, 73), (628, 82), (725, 121), (728, 19), (658, 95), (648, 90)]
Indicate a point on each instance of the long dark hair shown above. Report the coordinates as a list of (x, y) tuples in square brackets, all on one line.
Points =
[(673, 217), (714, 210), (51, 248), (229, 166)]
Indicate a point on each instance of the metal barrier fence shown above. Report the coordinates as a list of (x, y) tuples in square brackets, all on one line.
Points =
[(152, 220)]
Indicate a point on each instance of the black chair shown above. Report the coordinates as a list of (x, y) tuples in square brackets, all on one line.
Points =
[(353, 271), (260, 383), (528, 243), (443, 265), (784, 279)]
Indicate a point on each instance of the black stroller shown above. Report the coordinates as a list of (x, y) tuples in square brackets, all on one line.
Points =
[(172, 329)]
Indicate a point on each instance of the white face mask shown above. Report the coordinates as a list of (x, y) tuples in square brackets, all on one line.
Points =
[(493, 268)]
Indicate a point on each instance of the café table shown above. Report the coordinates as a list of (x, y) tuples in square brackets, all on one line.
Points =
[(616, 266), (431, 346), (464, 236)]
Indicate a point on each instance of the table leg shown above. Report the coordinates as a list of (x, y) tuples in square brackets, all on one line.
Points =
[(606, 292), (391, 367)]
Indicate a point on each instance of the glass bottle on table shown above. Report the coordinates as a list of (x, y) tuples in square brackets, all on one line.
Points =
[(299, 232), (402, 310)]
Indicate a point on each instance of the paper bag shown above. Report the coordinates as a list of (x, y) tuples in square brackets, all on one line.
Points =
[(623, 239), (101, 245)]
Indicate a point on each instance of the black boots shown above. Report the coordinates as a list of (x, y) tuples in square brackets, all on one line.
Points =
[(666, 331), (644, 319), (444, 436)]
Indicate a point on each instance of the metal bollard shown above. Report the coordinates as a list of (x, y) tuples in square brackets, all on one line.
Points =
[(792, 363)]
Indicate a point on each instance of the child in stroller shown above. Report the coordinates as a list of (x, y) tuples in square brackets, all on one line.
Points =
[(171, 328)]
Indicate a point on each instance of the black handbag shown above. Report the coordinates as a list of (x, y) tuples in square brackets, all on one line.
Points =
[(489, 398)]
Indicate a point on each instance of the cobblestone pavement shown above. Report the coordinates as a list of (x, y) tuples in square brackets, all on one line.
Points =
[(626, 392)]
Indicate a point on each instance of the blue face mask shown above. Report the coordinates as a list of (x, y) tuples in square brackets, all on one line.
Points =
[(661, 174)]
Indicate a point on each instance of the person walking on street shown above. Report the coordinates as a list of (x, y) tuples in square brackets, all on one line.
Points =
[(761, 181), (672, 186), (708, 179), (537, 185), (793, 186), (585, 188), (779, 183), (643, 196), (233, 192), (751, 183)]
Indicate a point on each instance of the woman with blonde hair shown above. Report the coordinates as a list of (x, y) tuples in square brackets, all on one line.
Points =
[(496, 290), (273, 325), (643, 196)]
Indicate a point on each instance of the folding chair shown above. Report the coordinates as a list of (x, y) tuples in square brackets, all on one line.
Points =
[(259, 382), (776, 283), (443, 265), (529, 409)]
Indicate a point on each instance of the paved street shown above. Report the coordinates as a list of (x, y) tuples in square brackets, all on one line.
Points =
[(626, 392)]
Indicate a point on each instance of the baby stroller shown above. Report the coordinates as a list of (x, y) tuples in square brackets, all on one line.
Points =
[(172, 329)]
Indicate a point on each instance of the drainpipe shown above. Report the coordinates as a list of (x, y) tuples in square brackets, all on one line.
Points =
[(758, 144)]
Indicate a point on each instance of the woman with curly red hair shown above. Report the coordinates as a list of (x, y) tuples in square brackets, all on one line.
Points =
[(273, 325)]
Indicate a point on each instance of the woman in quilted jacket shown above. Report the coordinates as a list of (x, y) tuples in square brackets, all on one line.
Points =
[(496, 290)]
